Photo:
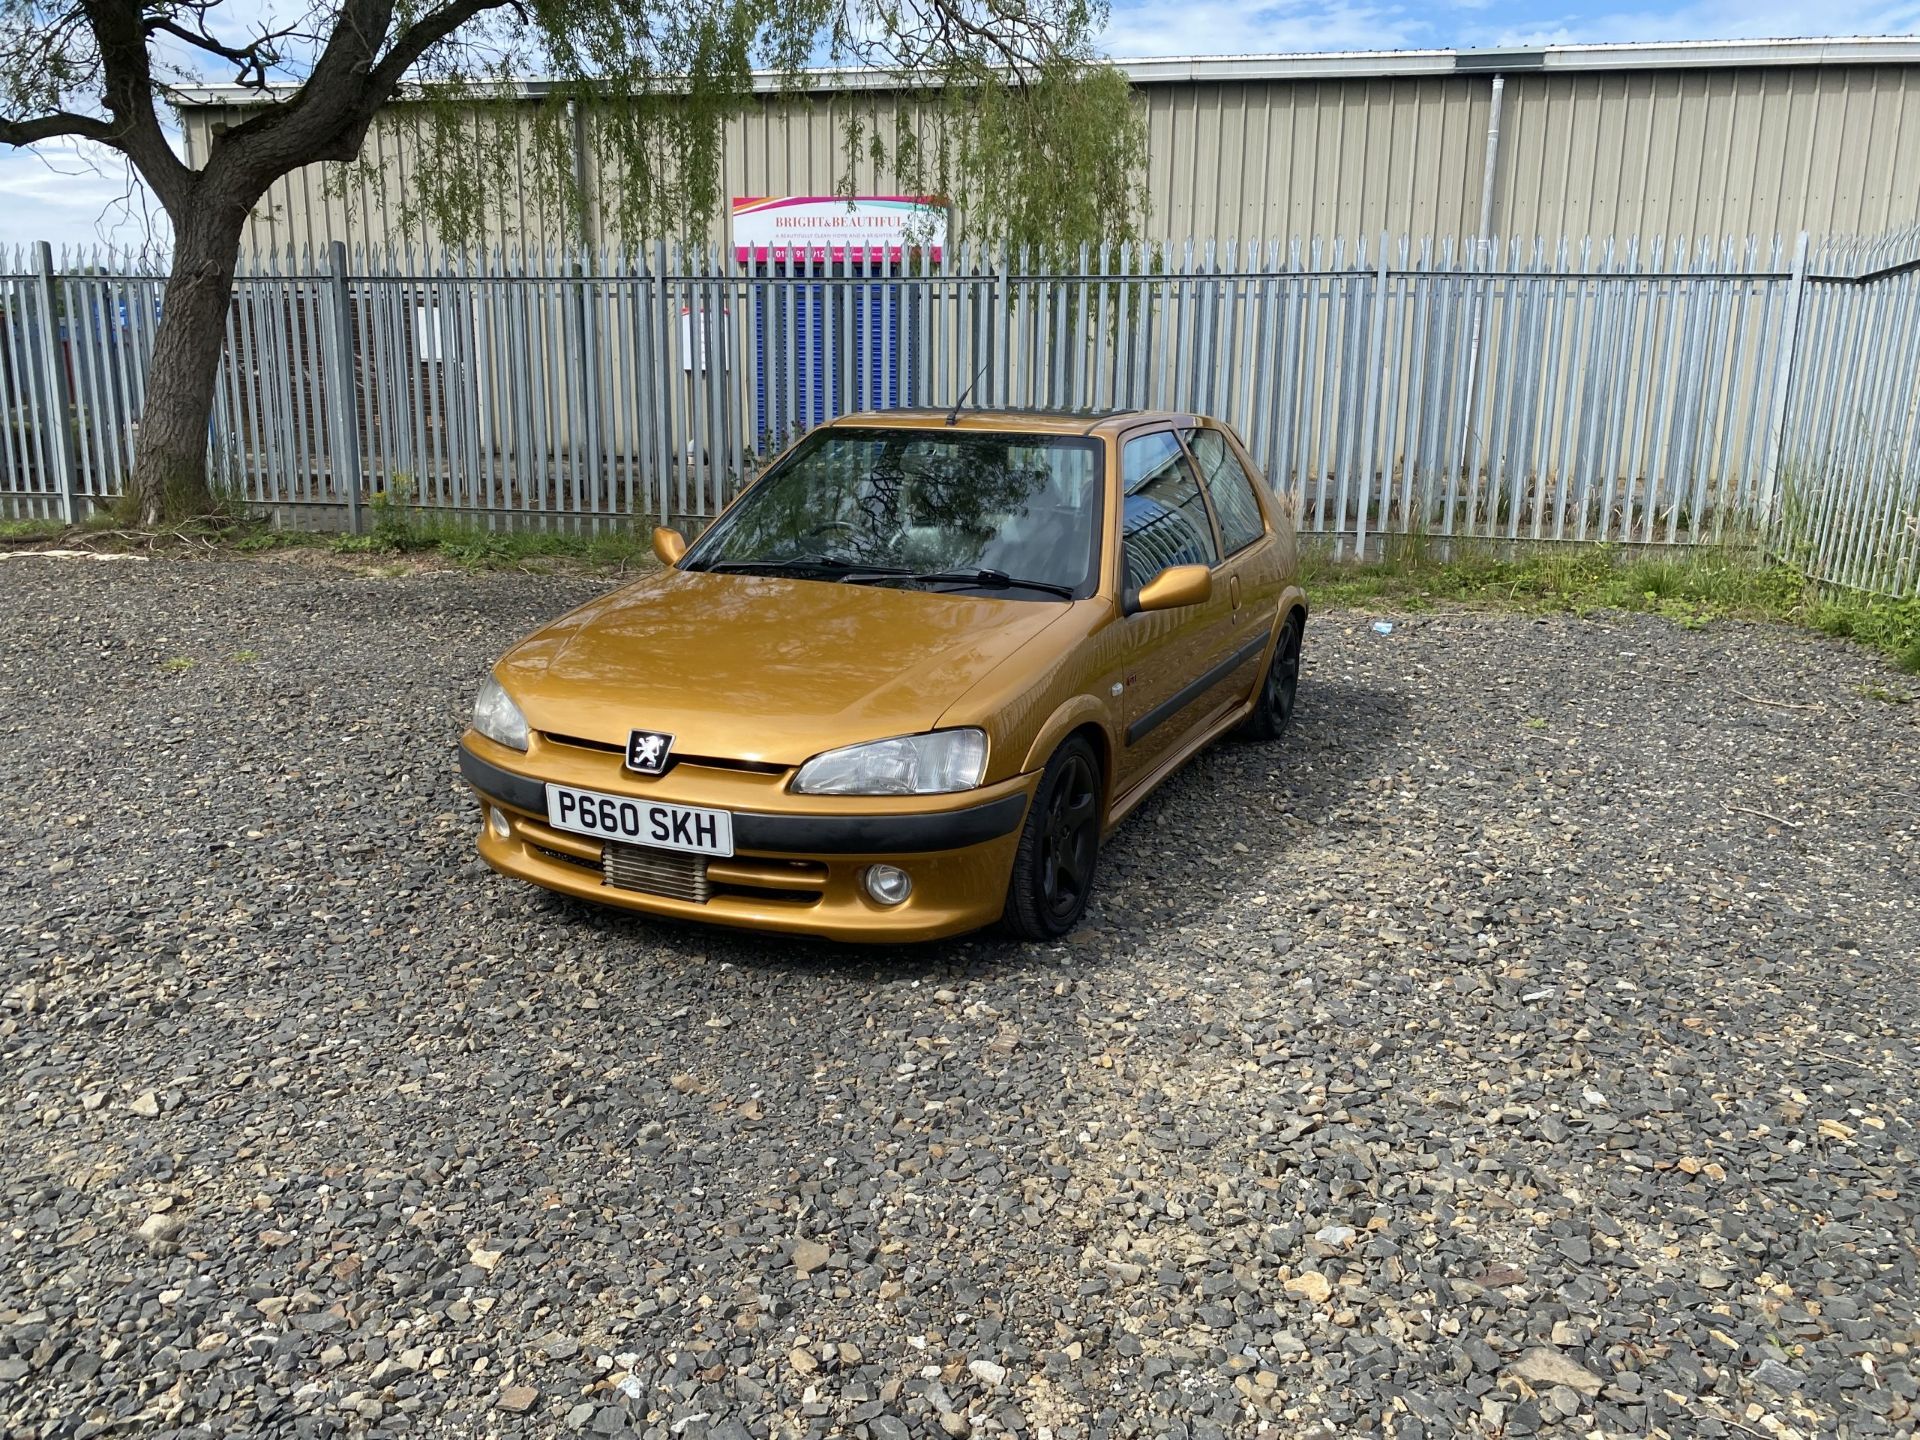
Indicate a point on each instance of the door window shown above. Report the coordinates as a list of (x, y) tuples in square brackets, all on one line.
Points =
[(1229, 489), (1163, 519)]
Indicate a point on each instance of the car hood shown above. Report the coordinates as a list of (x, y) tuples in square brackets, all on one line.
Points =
[(763, 668)]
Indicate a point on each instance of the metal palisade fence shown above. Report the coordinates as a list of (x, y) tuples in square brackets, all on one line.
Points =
[(1669, 394)]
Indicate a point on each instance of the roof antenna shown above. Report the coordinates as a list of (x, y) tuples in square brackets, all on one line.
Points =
[(953, 415)]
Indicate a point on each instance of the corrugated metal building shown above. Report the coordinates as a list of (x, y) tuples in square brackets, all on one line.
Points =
[(1720, 138)]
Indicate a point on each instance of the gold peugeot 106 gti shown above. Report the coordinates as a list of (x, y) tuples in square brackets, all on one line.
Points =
[(907, 681)]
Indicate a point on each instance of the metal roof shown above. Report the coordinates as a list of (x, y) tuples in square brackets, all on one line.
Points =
[(1334, 65), (1033, 419), (1687, 55)]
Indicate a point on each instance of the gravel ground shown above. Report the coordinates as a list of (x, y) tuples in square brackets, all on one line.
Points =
[(1527, 1045)]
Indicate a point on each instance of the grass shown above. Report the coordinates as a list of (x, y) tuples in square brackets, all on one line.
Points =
[(1692, 588), (398, 533), (400, 530), (498, 549), (1884, 695), (27, 530), (471, 546), (1689, 587), (393, 538), (467, 545)]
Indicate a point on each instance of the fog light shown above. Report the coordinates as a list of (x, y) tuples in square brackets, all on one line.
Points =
[(888, 884), (497, 822)]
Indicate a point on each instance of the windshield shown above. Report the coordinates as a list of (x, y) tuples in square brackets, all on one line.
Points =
[(955, 508)]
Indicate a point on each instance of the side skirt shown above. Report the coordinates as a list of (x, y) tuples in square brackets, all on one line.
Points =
[(1126, 804)]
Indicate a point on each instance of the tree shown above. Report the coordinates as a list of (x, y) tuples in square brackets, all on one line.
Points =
[(1003, 105)]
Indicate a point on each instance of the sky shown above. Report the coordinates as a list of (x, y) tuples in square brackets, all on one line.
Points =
[(74, 195)]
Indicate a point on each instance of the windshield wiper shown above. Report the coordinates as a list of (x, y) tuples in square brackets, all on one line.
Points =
[(829, 564), (990, 580), (860, 572)]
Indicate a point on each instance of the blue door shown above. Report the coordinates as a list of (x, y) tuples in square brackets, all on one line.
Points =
[(795, 387), (827, 344)]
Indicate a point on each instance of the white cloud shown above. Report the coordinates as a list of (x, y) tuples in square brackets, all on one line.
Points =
[(1139, 28), (1708, 20), (1212, 28), (71, 192)]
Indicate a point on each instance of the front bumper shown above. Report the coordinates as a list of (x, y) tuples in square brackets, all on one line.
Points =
[(797, 862)]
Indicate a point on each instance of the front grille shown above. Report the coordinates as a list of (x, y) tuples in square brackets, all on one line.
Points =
[(727, 762), (566, 859), (707, 762), (579, 742), (668, 873), (786, 882)]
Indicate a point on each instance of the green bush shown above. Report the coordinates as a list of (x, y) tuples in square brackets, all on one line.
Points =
[(1892, 626)]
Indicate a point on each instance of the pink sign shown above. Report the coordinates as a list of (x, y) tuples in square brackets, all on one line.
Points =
[(871, 228)]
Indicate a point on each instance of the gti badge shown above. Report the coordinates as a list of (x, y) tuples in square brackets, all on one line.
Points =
[(647, 752)]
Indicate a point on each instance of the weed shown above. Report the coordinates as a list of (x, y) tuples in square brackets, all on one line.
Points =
[(396, 531), (30, 529), (1654, 579), (266, 538), (393, 511), (1892, 626), (478, 550), (1692, 588), (246, 657), (178, 664)]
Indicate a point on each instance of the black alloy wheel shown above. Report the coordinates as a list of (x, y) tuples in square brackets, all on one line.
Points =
[(1273, 709), (1054, 866)]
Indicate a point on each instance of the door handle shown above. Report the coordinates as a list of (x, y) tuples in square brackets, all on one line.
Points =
[(1233, 589)]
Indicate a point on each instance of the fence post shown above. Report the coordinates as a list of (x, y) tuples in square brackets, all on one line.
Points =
[(1001, 332), (59, 396), (1370, 409), (345, 419), (586, 375), (1783, 384)]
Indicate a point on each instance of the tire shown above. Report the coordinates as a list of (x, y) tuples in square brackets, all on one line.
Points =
[(1053, 867), (1273, 706)]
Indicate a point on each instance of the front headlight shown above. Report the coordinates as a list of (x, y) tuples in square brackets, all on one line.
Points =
[(498, 718), (932, 764)]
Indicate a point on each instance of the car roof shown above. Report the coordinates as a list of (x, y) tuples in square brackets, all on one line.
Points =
[(1045, 422)]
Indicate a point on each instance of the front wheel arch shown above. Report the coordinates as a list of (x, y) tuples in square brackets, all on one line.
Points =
[(1083, 714)]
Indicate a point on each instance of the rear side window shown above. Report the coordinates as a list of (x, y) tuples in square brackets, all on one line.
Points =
[(1164, 520), (1229, 489)]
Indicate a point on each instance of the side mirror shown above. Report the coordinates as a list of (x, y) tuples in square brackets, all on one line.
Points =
[(1174, 587), (669, 545)]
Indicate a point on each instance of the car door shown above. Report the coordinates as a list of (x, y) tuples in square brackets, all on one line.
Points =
[(1250, 569), (1164, 521)]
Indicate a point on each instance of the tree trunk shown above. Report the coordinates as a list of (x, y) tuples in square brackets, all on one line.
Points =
[(170, 461)]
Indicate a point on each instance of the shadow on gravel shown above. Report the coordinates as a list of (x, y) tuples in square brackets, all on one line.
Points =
[(1172, 862)]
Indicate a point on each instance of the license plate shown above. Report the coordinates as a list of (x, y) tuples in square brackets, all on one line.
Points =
[(640, 822)]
